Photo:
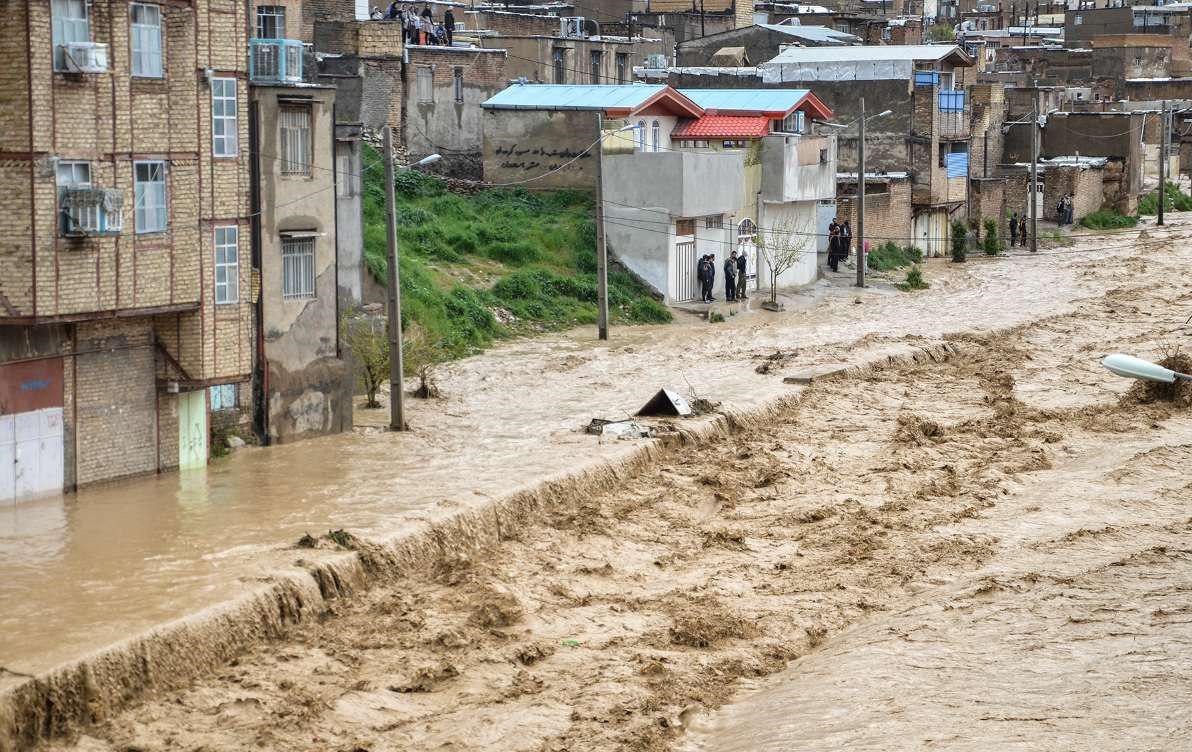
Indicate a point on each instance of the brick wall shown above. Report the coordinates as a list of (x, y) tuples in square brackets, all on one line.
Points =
[(987, 200), (1084, 185), (887, 209)]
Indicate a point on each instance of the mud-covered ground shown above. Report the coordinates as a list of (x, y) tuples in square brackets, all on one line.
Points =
[(621, 620)]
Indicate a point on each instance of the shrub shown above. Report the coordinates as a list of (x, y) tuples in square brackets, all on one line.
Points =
[(890, 255), (1107, 219), (914, 280), (412, 184), (959, 240), (648, 311), (715, 317), (940, 33), (992, 243), (1173, 200)]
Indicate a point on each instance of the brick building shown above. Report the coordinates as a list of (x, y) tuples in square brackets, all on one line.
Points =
[(887, 206), (122, 168)]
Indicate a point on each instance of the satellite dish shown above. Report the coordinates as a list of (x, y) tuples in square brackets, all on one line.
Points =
[(1137, 368)]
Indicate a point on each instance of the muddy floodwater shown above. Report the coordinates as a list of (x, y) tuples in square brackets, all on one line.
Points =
[(981, 545)]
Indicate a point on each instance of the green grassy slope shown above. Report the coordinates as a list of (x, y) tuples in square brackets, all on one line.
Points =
[(466, 258)]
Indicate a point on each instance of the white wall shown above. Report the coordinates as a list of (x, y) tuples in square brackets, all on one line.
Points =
[(799, 219)]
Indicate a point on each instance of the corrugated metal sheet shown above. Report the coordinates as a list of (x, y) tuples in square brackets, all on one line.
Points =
[(746, 100), (956, 164), (816, 34), (686, 6), (572, 97)]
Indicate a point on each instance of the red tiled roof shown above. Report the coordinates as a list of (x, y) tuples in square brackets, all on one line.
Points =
[(723, 126)]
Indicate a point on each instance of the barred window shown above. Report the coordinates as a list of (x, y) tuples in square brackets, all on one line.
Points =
[(223, 117), (459, 85), (227, 264), (297, 268), (295, 141)]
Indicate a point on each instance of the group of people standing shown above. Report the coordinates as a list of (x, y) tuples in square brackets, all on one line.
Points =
[(735, 276), (1063, 210), (419, 28), (1018, 234), (840, 240)]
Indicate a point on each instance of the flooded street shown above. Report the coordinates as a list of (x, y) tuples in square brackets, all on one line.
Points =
[(982, 545), (82, 571)]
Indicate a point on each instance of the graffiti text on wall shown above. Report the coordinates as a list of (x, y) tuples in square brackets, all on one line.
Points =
[(537, 158)]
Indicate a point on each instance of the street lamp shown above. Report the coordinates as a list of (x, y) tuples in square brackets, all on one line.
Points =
[(1137, 368), (860, 123)]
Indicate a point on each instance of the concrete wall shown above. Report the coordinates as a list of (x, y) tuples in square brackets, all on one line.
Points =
[(687, 184), (792, 168), (792, 223), (446, 125), (641, 239), (761, 44), (305, 378), (521, 144), (532, 57)]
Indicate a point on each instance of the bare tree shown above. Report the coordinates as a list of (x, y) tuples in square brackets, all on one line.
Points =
[(781, 247), (367, 339)]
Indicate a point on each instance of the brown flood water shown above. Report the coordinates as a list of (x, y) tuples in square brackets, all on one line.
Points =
[(81, 571)]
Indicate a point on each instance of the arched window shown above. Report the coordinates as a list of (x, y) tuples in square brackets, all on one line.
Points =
[(746, 231), (641, 135), (656, 136)]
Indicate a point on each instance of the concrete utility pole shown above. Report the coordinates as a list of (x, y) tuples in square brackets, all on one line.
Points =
[(1163, 132), (861, 197), (1032, 192), (397, 420), (601, 247)]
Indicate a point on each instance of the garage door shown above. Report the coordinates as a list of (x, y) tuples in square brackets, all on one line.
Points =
[(30, 429)]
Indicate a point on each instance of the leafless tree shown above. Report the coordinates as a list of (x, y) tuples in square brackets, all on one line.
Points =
[(781, 247)]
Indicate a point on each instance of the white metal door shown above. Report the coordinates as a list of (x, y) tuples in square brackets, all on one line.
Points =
[(31, 453), (8, 458), (825, 211), (685, 283)]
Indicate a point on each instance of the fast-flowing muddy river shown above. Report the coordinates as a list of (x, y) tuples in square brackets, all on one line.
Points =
[(984, 548)]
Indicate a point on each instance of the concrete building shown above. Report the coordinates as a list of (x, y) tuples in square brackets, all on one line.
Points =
[(760, 42), (125, 305), (750, 171)]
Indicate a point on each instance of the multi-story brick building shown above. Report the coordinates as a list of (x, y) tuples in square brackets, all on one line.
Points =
[(124, 274)]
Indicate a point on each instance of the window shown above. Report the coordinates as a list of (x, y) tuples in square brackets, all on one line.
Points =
[(622, 67), (223, 396), (75, 175), (145, 40), (714, 223), (271, 22), (223, 117), (733, 144), (641, 135), (656, 137), (70, 25), (746, 231), (227, 264), (149, 186), (1078, 20), (596, 59), (560, 60), (684, 226), (297, 268), (458, 85), (425, 83), (295, 140)]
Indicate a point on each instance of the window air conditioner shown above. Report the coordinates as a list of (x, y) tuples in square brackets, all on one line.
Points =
[(91, 211), (571, 26), (85, 57)]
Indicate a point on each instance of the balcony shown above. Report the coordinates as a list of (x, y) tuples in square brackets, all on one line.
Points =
[(686, 184), (798, 168), (953, 114), (275, 61)]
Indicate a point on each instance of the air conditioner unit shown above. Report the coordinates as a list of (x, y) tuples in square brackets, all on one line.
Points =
[(85, 57), (571, 26), (91, 211), (656, 61)]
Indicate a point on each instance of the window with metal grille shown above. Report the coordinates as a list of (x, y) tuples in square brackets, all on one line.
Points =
[(656, 136), (223, 117), (458, 85), (297, 268), (271, 22), (145, 40), (746, 231), (223, 396), (295, 140), (714, 223), (149, 189), (227, 264), (622, 67), (560, 60), (70, 24), (596, 60), (641, 135), (425, 81), (76, 175)]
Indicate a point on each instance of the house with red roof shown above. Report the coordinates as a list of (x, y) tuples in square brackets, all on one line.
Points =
[(686, 172)]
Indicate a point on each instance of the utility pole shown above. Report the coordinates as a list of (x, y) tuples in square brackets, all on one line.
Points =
[(702, 33), (601, 247), (1032, 191), (1163, 131), (861, 197), (397, 421)]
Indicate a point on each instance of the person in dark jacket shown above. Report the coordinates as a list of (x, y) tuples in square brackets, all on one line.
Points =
[(834, 245), (846, 240), (394, 10), (449, 25), (730, 277), (741, 277), (711, 277), (1014, 229), (701, 276)]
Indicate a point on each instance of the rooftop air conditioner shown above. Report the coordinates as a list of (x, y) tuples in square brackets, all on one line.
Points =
[(656, 61), (571, 26), (85, 57)]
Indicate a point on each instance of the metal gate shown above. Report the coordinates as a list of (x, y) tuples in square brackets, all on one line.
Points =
[(192, 429), (31, 458), (685, 283), (825, 212), (747, 247)]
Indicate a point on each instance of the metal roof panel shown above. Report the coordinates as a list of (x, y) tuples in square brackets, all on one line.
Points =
[(572, 96)]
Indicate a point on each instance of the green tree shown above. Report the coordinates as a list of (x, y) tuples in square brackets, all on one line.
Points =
[(367, 339), (941, 33), (959, 240), (993, 244)]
